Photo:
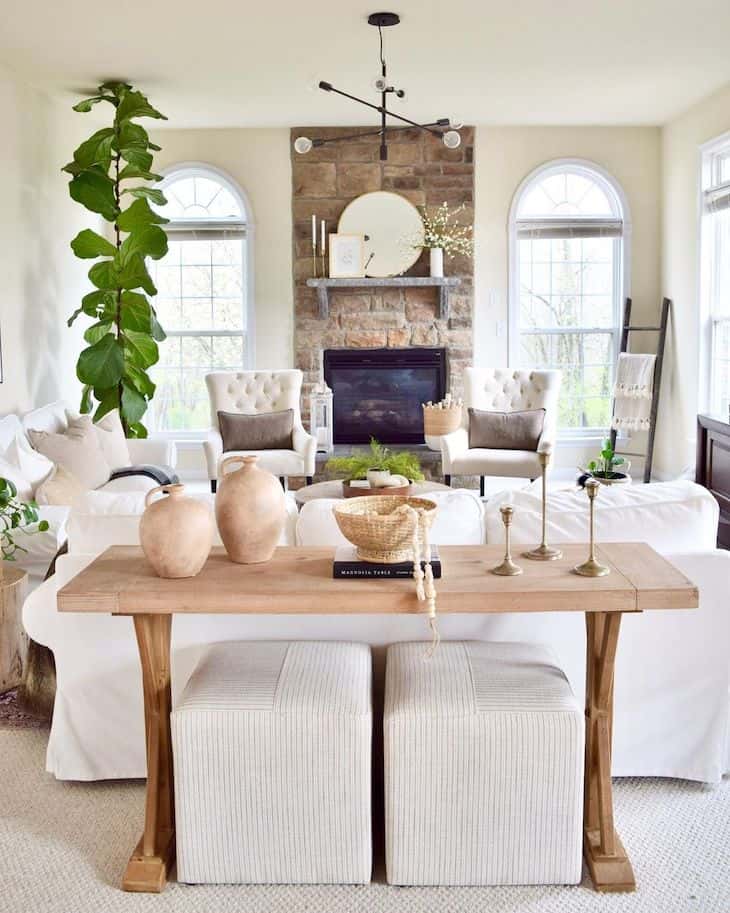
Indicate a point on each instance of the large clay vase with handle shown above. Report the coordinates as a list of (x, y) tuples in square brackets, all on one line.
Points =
[(250, 508), (176, 532)]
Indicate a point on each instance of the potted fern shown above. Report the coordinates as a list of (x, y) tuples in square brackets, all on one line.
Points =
[(376, 464)]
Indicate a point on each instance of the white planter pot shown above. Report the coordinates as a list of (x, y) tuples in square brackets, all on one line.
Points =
[(378, 478), (436, 257)]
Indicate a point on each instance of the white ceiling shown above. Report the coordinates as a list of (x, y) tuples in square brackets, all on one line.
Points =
[(239, 63)]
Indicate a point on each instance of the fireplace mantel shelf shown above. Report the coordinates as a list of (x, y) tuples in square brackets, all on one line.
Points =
[(443, 284)]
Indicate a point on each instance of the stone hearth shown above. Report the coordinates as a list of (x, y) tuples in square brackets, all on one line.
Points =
[(324, 181)]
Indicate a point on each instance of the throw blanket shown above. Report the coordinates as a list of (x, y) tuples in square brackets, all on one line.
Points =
[(633, 392), (163, 475)]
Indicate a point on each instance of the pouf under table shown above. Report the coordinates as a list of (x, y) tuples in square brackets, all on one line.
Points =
[(272, 762), (483, 766)]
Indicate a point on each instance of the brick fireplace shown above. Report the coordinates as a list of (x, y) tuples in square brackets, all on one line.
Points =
[(324, 181)]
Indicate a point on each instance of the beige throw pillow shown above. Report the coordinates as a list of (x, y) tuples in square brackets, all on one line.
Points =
[(78, 451), (60, 488), (111, 438), (265, 431), (505, 430)]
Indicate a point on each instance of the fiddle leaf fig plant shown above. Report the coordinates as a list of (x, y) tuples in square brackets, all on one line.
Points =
[(106, 172)]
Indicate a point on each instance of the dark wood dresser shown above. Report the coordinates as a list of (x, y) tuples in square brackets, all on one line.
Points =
[(713, 467)]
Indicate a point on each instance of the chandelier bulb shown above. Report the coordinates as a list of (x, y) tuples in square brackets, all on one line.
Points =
[(452, 140), (302, 145), (380, 84)]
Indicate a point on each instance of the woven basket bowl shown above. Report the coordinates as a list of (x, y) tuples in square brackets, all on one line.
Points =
[(377, 531), (441, 421)]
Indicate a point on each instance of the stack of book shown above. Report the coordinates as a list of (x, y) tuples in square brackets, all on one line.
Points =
[(347, 564)]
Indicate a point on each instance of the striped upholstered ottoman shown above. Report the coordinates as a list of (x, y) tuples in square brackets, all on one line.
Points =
[(272, 755), (483, 766)]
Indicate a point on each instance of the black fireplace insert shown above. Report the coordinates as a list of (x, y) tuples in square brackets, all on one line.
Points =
[(379, 392)]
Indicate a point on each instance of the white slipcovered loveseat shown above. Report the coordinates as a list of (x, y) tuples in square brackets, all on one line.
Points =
[(673, 667)]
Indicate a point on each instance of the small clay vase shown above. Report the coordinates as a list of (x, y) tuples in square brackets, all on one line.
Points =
[(176, 532), (250, 509)]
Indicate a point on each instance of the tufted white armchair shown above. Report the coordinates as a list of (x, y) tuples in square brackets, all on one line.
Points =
[(250, 393), (502, 390)]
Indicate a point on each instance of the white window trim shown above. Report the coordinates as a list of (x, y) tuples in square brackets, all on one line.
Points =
[(704, 317), (622, 275), (203, 169)]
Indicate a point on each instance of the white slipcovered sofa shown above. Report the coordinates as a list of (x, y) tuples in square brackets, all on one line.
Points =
[(27, 470), (673, 667)]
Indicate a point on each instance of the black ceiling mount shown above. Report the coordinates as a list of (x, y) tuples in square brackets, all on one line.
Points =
[(383, 20), (442, 127)]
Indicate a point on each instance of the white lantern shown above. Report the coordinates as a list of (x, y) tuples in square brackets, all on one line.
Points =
[(321, 424)]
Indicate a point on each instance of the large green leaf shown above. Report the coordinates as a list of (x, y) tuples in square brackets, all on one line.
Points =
[(148, 241), (136, 313), (87, 104), (88, 243), (102, 364), (157, 332), (116, 86), (137, 430), (140, 213), (134, 104), (132, 273), (140, 349), (96, 150), (140, 379), (137, 158), (95, 191), (134, 405), (130, 172), (97, 331), (103, 275), (86, 400), (148, 193), (108, 401)]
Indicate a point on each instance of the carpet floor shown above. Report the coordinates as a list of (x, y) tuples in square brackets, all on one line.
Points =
[(63, 847)]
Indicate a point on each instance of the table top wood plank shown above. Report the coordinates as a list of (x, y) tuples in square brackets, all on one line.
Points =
[(299, 581)]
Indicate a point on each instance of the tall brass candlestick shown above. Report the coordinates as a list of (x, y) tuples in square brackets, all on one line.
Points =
[(591, 567), (507, 568), (544, 552)]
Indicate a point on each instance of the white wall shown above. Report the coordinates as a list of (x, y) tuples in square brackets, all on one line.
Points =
[(259, 162), (681, 141), (41, 281)]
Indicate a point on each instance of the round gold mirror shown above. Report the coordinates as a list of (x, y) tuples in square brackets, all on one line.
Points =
[(393, 231)]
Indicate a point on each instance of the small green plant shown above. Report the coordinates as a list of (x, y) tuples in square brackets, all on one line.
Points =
[(356, 467), (606, 465), (15, 515)]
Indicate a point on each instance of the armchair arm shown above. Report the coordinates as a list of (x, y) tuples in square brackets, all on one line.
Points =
[(546, 444), (453, 446), (152, 451), (306, 446), (213, 449)]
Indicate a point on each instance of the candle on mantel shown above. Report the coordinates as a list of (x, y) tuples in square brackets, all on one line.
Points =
[(323, 225), (314, 232)]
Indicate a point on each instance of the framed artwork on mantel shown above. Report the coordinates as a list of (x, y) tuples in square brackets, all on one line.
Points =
[(347, 256)]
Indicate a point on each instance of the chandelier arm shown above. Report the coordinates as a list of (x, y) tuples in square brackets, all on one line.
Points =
[(341, 139), (381, 109)]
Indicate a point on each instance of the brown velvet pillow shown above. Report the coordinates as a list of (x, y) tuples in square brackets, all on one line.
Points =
[(505, 430), (265, 431)]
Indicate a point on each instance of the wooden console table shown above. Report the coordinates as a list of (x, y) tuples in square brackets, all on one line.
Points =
[(299, 580)]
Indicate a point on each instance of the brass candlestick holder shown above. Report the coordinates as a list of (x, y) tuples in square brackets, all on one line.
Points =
[(591, 567), (544, 552), (507, 568)]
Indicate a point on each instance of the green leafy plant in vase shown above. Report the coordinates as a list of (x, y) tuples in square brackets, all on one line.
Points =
[(111, 177), (15, 516), (606, 468), (377, 458)]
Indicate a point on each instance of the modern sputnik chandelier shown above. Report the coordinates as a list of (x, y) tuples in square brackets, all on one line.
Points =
[(448, 132)]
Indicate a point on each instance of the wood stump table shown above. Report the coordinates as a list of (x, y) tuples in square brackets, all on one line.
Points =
[(299, 580), (13, 639)]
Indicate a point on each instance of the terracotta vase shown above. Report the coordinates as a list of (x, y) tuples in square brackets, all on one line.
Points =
[(176, 532), (250, 509)]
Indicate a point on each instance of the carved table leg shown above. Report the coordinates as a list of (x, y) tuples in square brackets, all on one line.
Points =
[(609, 866), (152, 859)]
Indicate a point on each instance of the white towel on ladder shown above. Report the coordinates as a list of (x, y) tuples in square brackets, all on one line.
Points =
[(633, 392)]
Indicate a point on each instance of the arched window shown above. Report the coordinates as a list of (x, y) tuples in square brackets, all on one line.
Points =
[(203, 299), (569, 232)]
